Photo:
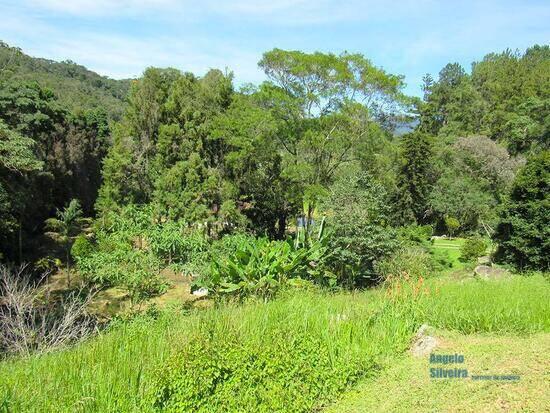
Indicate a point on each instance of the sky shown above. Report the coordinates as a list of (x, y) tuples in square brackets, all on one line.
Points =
[(121, 38)]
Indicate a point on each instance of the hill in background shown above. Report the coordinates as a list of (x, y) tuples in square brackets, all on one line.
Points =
[(75, 86)]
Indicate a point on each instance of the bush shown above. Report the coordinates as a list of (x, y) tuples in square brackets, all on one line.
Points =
[(173, 242), (30, 322), (135, 270), (415, 234), (82, 248), (472, 249), (358, 231), (411, 262), (261, 267)]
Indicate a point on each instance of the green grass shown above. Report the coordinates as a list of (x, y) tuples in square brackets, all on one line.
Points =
[(518, 304), (124, 369), (449, 248), (405, 385)]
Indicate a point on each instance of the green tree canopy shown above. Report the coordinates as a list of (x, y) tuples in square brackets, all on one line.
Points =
[(523, 234)]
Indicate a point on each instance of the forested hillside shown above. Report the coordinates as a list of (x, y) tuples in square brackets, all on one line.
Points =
[(54, 124), (190, 149), (76, 88)]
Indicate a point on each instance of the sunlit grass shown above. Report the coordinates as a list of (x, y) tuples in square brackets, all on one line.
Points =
[(115, 370)]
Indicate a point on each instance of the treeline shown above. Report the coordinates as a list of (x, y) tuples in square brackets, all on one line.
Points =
[(314, 140), (199, 151), (75, 87), (54, 133)]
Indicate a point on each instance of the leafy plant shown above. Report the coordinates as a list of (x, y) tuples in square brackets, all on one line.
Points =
[(261, 267), (472, 249), (69, 222), (172, 241)]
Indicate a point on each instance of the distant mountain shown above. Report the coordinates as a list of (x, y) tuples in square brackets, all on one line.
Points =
[(401, 128), (75, 86)]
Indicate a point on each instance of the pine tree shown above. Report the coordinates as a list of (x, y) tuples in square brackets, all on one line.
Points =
[(415, 178)]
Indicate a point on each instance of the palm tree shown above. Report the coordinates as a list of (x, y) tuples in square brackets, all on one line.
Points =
[(65, 227)]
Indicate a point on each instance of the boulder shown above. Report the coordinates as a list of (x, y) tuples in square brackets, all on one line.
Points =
[(485, 260), (424, 342), (486, 272)]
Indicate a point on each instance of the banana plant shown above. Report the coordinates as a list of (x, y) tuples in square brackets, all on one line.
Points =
[(261, 267)]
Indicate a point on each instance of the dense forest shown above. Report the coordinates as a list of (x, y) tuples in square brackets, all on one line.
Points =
[(316, 233), (313, 140)]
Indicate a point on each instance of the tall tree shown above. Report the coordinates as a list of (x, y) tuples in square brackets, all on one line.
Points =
[(523, 234), (329, 106), (17, 162), (415, 179)]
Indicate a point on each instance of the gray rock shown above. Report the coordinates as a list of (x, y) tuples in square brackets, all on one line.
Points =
[(424, 342), (485, 260)]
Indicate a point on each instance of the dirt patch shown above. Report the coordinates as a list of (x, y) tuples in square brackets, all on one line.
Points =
[(486, 272)]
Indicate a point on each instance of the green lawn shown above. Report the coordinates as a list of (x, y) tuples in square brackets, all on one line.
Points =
[(405, 385), (445, 247), (450, 248)]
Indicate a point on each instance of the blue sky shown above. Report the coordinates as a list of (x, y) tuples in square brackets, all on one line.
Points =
[(121, 38)]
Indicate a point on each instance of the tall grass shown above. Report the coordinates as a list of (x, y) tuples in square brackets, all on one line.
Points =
[(515, 305), (319, 344)]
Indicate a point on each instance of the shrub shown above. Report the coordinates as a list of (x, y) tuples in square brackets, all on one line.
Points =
[(261, 267), (472, 249), (358, 231), (82, 248), (415, 234), (173, 242), (411, 262), (135, 270), (30, 322)]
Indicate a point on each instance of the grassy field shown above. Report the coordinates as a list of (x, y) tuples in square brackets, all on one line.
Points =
[(451, 247), (406, 386), (308, 344)]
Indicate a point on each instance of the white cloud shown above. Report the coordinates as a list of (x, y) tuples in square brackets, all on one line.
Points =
[(102, 7)]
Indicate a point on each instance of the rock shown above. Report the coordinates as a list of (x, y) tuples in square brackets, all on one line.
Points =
[(485, 260), (424, 343), (486, 272), (338, 318), (201, 292)]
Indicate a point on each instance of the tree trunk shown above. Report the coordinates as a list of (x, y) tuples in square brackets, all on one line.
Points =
[(282, 226)]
